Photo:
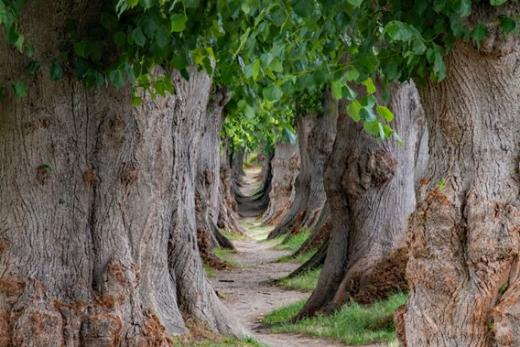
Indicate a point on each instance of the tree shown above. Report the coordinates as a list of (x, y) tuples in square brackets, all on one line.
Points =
[(370, 191), (284, 165), (464, 234), (316, 137), (208, 182)]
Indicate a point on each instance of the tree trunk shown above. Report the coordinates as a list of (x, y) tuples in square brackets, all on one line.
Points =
[(208, 182), (228, 209), (315, 139), (464, 236), (284, 165), (370, 191), (98, 238)]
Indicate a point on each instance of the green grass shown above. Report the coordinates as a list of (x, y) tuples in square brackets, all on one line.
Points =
[(353, 324), (226, 256), (294, 242), (210, 272), (305, 282)]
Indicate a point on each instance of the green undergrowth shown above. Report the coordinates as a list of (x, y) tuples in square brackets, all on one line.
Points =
[(226, 255), (354, 324), (293, 242), (305, 282), (210, 272)]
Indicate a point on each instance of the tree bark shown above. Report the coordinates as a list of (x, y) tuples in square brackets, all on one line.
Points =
[(370, 191), (98, 238), (315, 139), (208, 182), (284, 165), (228, 209), (464, 236)]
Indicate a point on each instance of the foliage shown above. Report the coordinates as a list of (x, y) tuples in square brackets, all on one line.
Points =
[(353, 324), (305, 282), (300, 258), (275, 56)]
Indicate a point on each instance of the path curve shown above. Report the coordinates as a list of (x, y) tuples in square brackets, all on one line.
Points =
[(248, 293)]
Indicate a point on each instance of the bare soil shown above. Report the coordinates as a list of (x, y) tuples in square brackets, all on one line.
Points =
[(248, 292)]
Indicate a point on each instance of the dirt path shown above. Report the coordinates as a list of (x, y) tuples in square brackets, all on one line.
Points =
[(249, 295)]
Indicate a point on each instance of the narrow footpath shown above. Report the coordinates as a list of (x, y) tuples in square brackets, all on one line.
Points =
[(248, 292)]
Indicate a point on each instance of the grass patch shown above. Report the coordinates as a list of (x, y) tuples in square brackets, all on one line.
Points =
[(210, 272), (294, 242), (226, 256), (353, 324), (305, 282)]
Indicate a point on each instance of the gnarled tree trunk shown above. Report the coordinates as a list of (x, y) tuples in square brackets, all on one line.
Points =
[(284, 166), (98, 238), (370, 191), (464, 240), (315, 139), (208, 182)]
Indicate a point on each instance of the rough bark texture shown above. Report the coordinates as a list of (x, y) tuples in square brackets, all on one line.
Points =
[(228, 207), (315, 139), (98, 238), (464, 236), (370, 190), (285, 164), (208, 182)]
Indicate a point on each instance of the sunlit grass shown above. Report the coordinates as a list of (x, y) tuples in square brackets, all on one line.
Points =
[(210, 272), (305, 282), (354, 324), (234, 236), (226, 255), (293, 242)]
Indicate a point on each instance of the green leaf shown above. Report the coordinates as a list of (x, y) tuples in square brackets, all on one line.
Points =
[(80, 49), (355, 3), (304, 8), (56, 71), (116, 78), (337, 89), (507, 24), (256, 69), (19, 89), (479, 33), (353, 109), (370, 86), (272, 93), (138, 37), (178, 23), (352, 74), (497, 2), (398, 31), (372, 127), (33, 67), (385, 113)]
